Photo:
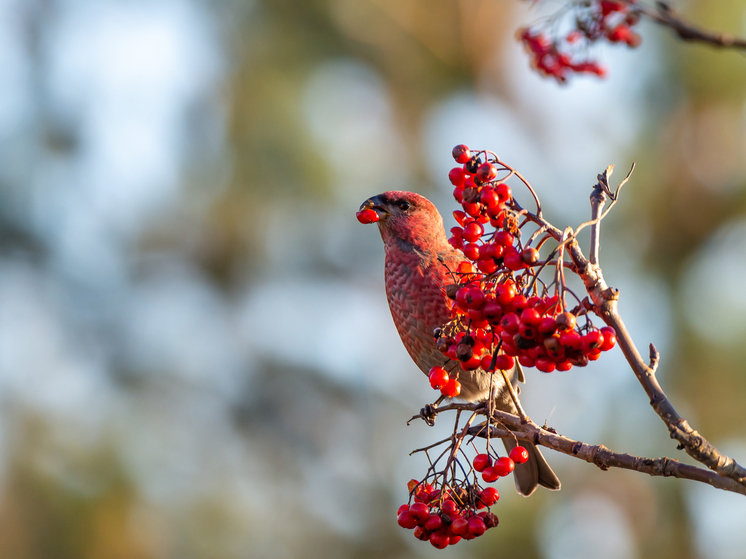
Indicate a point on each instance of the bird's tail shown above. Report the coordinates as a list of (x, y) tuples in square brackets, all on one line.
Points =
[(533, 473)]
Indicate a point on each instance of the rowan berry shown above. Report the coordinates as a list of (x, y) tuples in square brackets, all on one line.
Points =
[(477, 526), (545, 365), (530, 256), (565, 320), (503, 192), (609, 335), (505, 292), (451, 389), (449, 507), (460, 526), (438, 377), (489, 496), (421, 534), (486, 172), (510, 323), (489, 198), (592, 341), (481, 461), (504, 465), (367, 216), (504, 362), (419, 511), (519, 455), (439, 540), (471, 251), (406, 520), (530, 316), (461, 153), (457, 176), (433, 523), (504, 238), (490, 474), (473, 232)]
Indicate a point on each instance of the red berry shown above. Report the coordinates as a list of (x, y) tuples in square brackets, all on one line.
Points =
[(471, 251), (609, 338), (449, 507), (519, 455), (530, 317), (474, 298), (473, 209), (486, 172), (503, 466), (460, 526), (403, 508), (592, 341), (367, 216), (504, 362), (438, 377), (545, 365), (503, 192), (460, 218), (505, 292), (492, 311), (406, 520), (439, 540), (564, 366), (461, 153), (453, 540), (547, 325), (565, 320), (419, 511), (433, 523), (504, 238), (513, 261), (473, 232), (477, 526), (451, 389), (510, 323), (526, 360), (457, 176), (490, 474), (481, 461), (571, 340), (530, 256), (489, 495), (489, 198), (421, 534)]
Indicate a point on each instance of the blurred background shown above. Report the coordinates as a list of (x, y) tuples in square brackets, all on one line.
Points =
[(196, 356)]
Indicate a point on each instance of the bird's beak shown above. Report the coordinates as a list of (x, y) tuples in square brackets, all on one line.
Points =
[(378, 205)]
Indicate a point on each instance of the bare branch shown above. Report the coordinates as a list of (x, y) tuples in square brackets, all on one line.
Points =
[(664, 15), (605, 458)]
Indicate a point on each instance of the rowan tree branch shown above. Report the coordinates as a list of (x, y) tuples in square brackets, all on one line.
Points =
[(513, 427), (665, 16), (604, 300)]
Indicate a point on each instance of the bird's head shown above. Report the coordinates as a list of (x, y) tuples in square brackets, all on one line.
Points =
[(408, 217)]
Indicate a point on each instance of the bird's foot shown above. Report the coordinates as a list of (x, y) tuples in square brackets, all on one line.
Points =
[(428, 413)]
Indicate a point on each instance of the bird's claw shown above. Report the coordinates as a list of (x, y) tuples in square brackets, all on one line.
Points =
[(428, 413)]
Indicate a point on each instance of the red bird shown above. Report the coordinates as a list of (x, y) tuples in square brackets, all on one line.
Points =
[(418, 257)]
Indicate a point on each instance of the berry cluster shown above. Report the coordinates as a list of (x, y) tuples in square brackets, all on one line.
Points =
[(443, 516), (498, 312), (594, 21)]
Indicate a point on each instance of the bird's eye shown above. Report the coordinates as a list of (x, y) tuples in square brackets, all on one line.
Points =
[(404, 205)]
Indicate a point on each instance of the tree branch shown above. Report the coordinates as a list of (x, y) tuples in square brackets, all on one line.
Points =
[(664, 15)]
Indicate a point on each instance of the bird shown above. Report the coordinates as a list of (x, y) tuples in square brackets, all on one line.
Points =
[(418, 258)]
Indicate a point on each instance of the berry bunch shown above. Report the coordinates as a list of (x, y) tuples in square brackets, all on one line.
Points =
[(498, 313), (594, 21), (445, 515)]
